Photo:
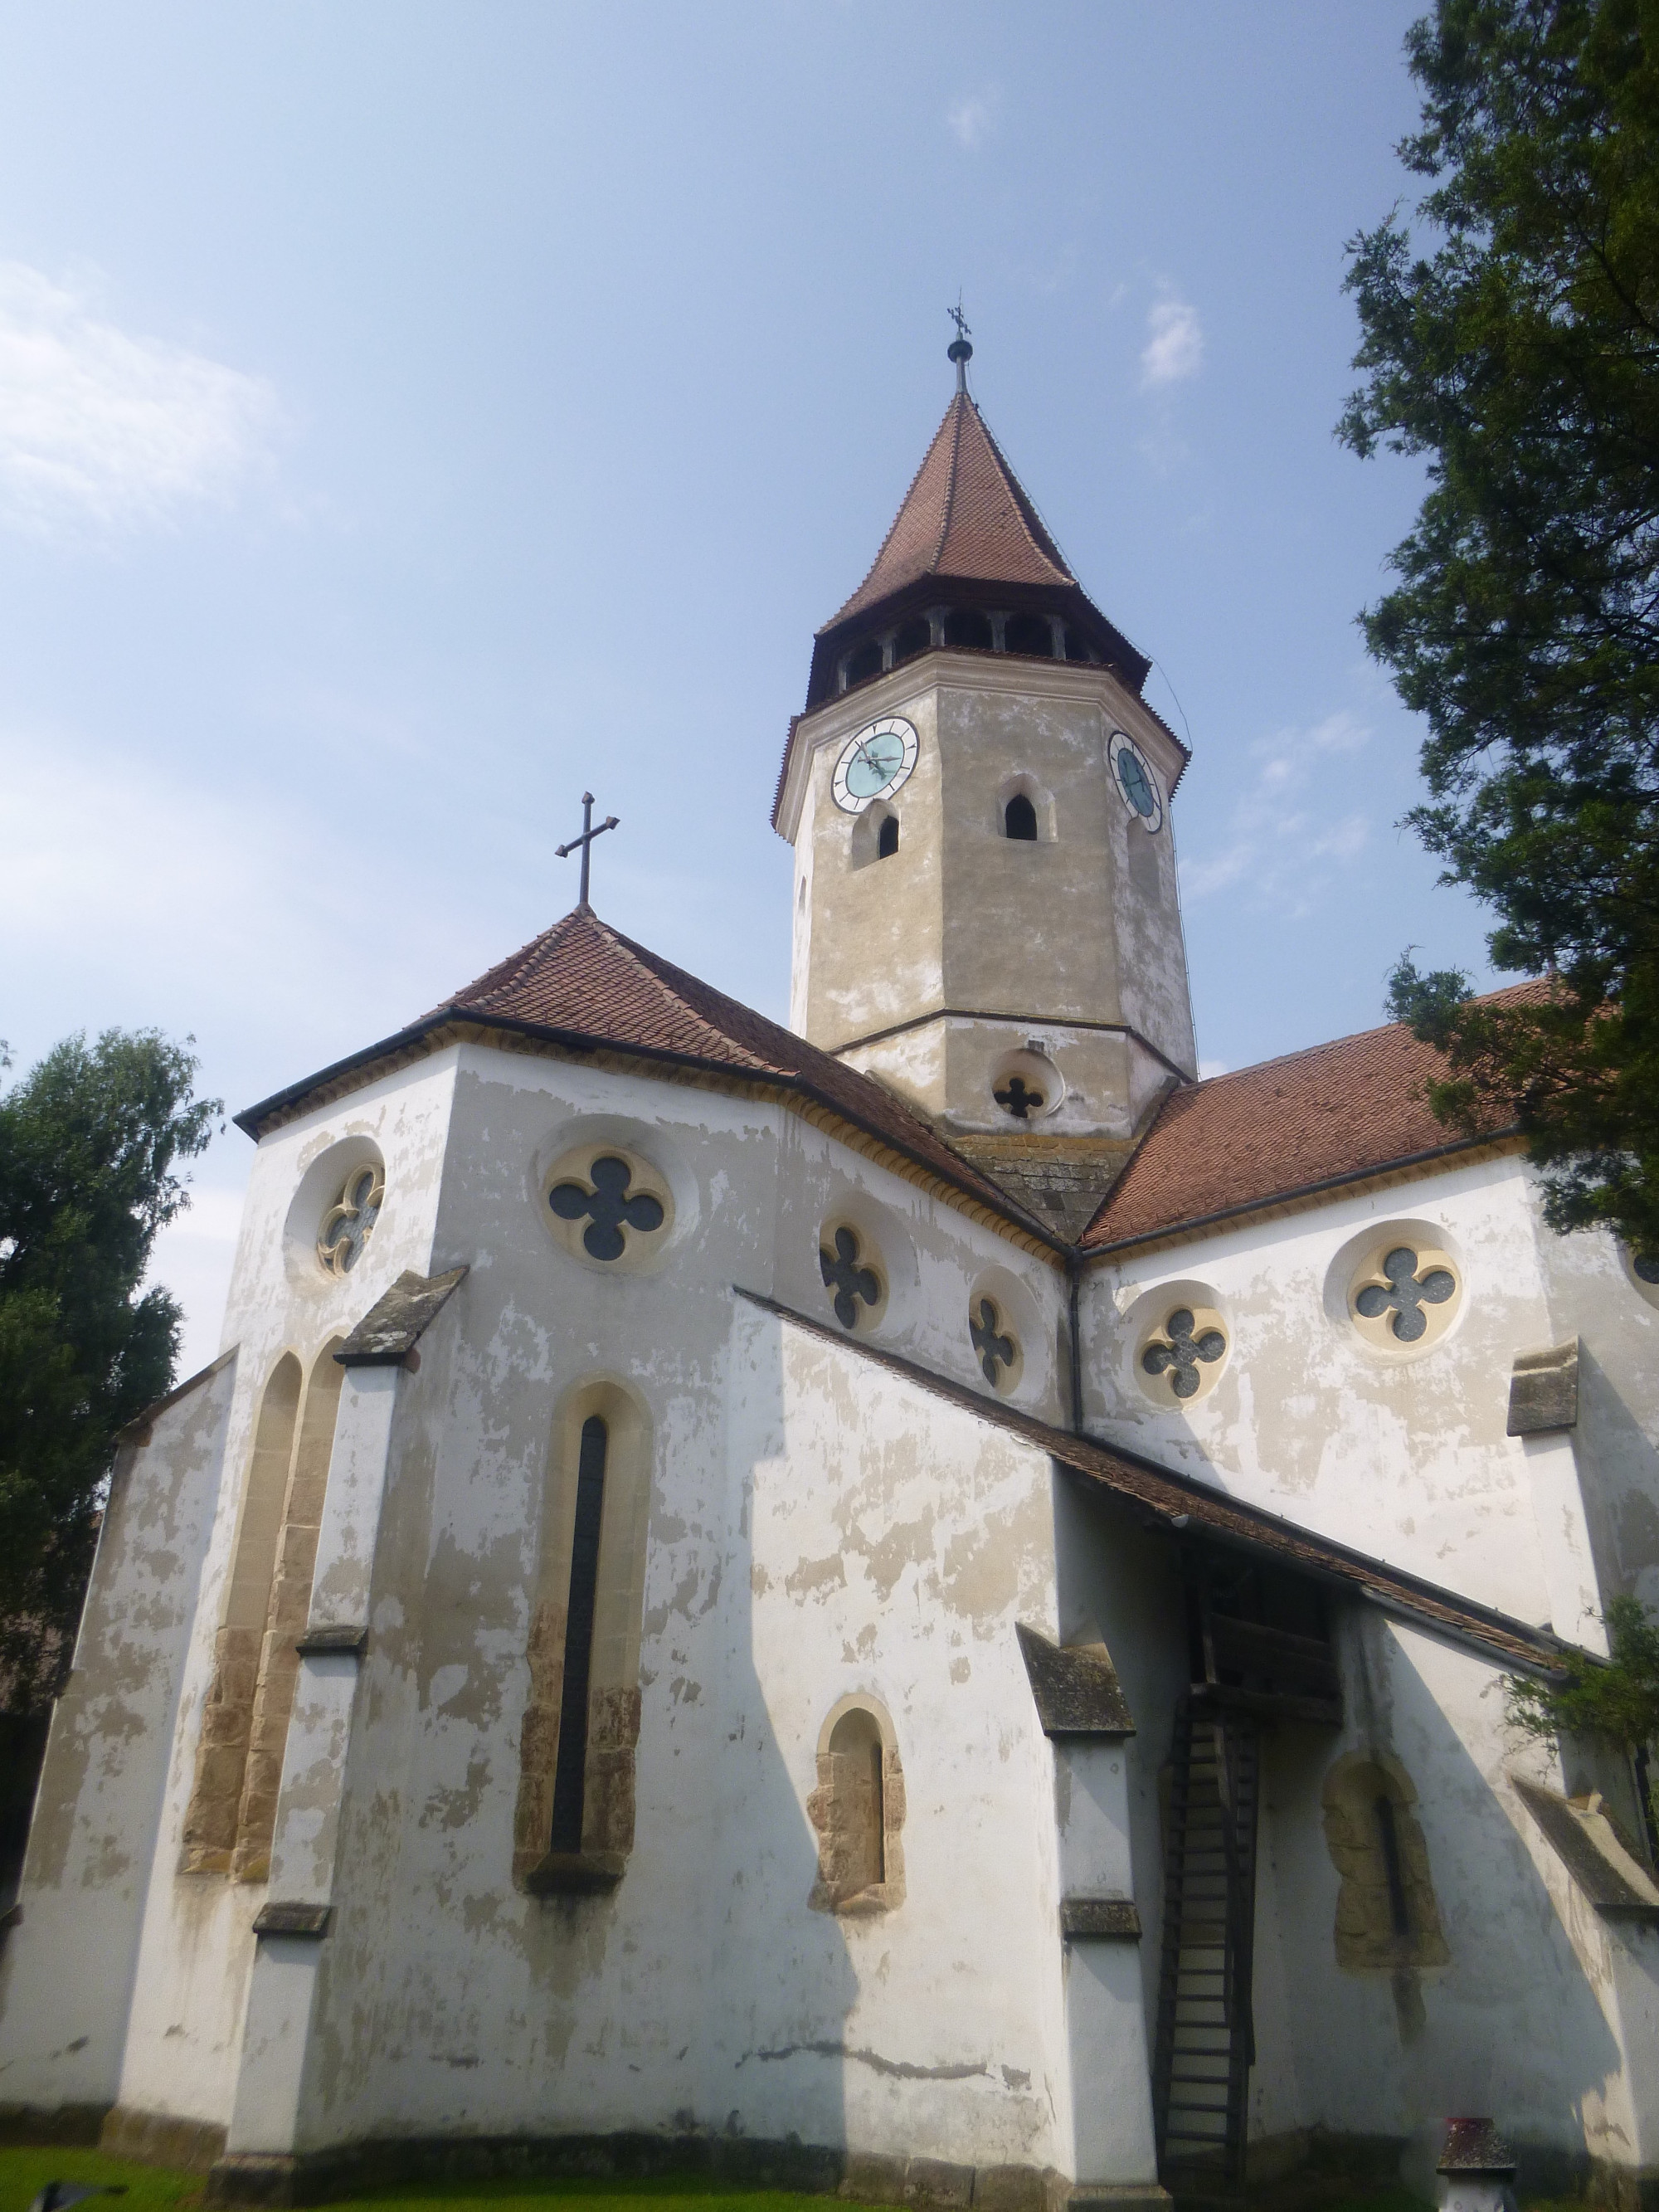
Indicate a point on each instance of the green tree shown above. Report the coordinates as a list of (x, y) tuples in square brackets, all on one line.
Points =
[(88, 1143), (1518, 356), (1616, 1699)]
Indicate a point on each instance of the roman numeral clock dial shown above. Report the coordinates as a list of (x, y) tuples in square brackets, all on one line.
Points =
[(873, 764)]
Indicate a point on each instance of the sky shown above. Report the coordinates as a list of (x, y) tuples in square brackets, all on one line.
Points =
[(413, 415)]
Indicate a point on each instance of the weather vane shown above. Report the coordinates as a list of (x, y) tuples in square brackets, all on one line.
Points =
[(959, 350), (585, 841)]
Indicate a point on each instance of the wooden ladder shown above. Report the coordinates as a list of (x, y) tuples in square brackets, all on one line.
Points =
[(1206, 2042)]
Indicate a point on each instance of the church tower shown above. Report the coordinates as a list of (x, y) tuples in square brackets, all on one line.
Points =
[(986, 912)]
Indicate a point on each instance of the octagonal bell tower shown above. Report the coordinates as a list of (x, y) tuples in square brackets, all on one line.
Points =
[(985, 915)]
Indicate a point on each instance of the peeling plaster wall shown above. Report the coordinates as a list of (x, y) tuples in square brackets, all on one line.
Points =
[(184, 2037), (1405, 1459), (448, 2001), (1523, 2019), (66, 1978)]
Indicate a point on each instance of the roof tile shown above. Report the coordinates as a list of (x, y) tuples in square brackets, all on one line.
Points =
[(1338, 1110), (965, 514)]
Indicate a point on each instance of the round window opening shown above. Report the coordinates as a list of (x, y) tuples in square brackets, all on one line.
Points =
[(350, 1223), (606, 1205), (857, 1290), (1182, 1359), (1026, 1086), (1404, 1296), (995, 1345), (1643, 1268)]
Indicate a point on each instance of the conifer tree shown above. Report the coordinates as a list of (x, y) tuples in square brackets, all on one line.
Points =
[(1517, 352)]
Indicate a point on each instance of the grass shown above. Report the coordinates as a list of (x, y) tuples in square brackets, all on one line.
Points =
[(25, 2172)]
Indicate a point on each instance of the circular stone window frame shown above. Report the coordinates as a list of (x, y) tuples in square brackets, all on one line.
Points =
[(567, 1154), (1117, 743), (1146, 1322), (317, 1191), (1359, 1261), (1647, 1293), (1037, 1070)]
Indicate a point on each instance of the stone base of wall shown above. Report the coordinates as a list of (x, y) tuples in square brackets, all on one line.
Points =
[(162, 2139), (51, 2123), (929, 2184)]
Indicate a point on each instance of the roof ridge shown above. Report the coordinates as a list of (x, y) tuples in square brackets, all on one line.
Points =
[(898, 512), (505, 971), (1024, 506), (1335, 1043)]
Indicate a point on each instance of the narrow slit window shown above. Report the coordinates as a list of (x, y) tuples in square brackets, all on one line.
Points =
[(569, 1775), (1399, 1908), (887, 842), (1019, 819)]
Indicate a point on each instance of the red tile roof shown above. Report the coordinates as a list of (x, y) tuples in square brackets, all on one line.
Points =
[(585, 984), (1326, 1115), (964, 515)]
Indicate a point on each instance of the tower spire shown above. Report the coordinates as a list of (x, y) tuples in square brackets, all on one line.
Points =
[(959, 350)]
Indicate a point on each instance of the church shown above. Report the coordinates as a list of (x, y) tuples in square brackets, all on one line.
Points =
[(915, 1605)]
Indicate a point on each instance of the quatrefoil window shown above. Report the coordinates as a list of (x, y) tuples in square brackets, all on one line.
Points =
[(846, 1271), (1180, 1353), (997, 1349), (350, 1222), (610, 1208), (1404, 1296)]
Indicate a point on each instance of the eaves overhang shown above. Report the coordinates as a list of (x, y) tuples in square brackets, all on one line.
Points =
[(448, 1024), (1009, 671), (1193, 1511)]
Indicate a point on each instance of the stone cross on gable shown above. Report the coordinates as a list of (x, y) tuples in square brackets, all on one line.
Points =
[(585, 841)]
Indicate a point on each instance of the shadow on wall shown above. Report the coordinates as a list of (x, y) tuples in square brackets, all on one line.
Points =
[(696, 1993), (1619, 1473), (1462, 1993)]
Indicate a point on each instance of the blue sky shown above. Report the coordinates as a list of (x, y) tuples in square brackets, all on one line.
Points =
[(410, 414)]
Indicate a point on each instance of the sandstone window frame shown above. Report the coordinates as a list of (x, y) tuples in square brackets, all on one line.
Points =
[(613, 1702), (231, 1818), (851, 1843), (1387, 1915)]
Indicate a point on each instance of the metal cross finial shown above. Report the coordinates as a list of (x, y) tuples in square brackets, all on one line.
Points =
[(959, 350), (585, 841)]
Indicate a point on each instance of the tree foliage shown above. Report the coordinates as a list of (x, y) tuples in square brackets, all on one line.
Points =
[(1519, 358), (89, 1141), (1616, 1699)]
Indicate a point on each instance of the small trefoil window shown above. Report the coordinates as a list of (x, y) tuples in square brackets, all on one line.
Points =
[(350, 1222)]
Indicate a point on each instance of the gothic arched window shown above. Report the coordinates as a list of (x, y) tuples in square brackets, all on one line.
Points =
[(573, 1826), (887, 841), (1019, 819)]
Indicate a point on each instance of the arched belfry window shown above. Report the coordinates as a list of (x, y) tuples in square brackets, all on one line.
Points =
[(887, 838), (573, 1826), (1019, 819)]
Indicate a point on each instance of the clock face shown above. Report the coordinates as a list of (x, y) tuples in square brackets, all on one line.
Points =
[(874, 764), (1136, 783)]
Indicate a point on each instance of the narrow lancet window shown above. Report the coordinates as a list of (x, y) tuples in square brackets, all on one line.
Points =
[(887, 843), (1019, 819), (569, 1775)]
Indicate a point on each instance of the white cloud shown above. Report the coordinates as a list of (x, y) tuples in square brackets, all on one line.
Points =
[(1174, 343), (1282, 852), (973, 119), (104, 429), (1206, 1068)]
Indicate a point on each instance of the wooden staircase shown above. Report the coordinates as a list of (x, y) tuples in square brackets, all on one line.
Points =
[(1205, 2041), (1259, 1653)]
